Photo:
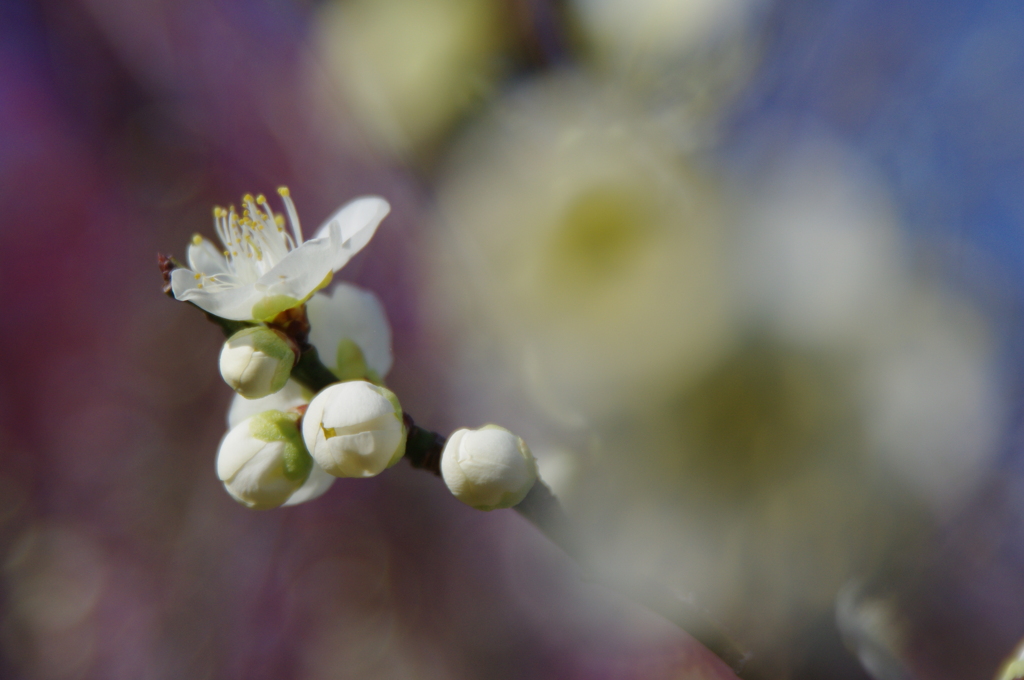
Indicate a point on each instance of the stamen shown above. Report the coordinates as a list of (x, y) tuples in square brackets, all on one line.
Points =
[(293, 216), (255, 248), (254, 239)]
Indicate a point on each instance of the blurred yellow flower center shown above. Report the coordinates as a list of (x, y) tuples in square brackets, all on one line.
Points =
[(762, 413), (598, 238)]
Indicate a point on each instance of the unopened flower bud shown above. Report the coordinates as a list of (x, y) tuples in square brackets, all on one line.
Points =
[(354, 429), (263, 461), (489, 468), (257, 361)]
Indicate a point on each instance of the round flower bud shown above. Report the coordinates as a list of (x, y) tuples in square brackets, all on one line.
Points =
[(489, 468), (354, 429), (257, 361), (263, 461)]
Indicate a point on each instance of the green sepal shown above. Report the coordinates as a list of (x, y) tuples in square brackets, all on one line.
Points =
[(279, 426)]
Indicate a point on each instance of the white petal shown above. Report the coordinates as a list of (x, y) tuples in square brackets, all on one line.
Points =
[(204, 257), (316, 484), (350, 312), (236, 449), (260, 482), (288, 397), (357, 221), (300, 272), (353, 404), (233, 302)]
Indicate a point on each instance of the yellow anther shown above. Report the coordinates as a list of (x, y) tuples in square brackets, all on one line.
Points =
[(283, 191), (196, 239), (198, 276), (247, 198), (279, 221), (261, 199)]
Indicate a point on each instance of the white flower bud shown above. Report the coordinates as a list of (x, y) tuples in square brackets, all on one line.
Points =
[(257, 361), (488, 468), (263, 461), (354, 429)]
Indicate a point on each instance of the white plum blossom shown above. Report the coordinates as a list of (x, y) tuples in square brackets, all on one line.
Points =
[(354, 429), (264, 268), (489, 468)]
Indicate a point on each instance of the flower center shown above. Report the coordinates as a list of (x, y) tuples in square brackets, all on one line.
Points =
[(257, 239)]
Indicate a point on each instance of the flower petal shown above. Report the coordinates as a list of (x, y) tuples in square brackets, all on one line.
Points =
[(233, 303), (357, 221), (350, 312), (204, 257), (288, 397), (301, 271), (315, 485)]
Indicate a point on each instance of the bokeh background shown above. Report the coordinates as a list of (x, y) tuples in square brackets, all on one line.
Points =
[(746, 274)]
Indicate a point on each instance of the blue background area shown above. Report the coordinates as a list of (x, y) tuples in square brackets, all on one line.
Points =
[(931, 92)]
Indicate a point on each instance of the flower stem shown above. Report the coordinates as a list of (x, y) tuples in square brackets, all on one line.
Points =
[(311, 373)]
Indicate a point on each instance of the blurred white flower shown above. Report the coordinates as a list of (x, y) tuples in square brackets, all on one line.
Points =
[(264, 269), (354, 429), (857, 401), (933, 409), (409, 68), (348, 313), (821, 267), (256, 362), (685, 60), (633, 29), (818, 258), (488, 468), (579, 245), (262, 461)]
